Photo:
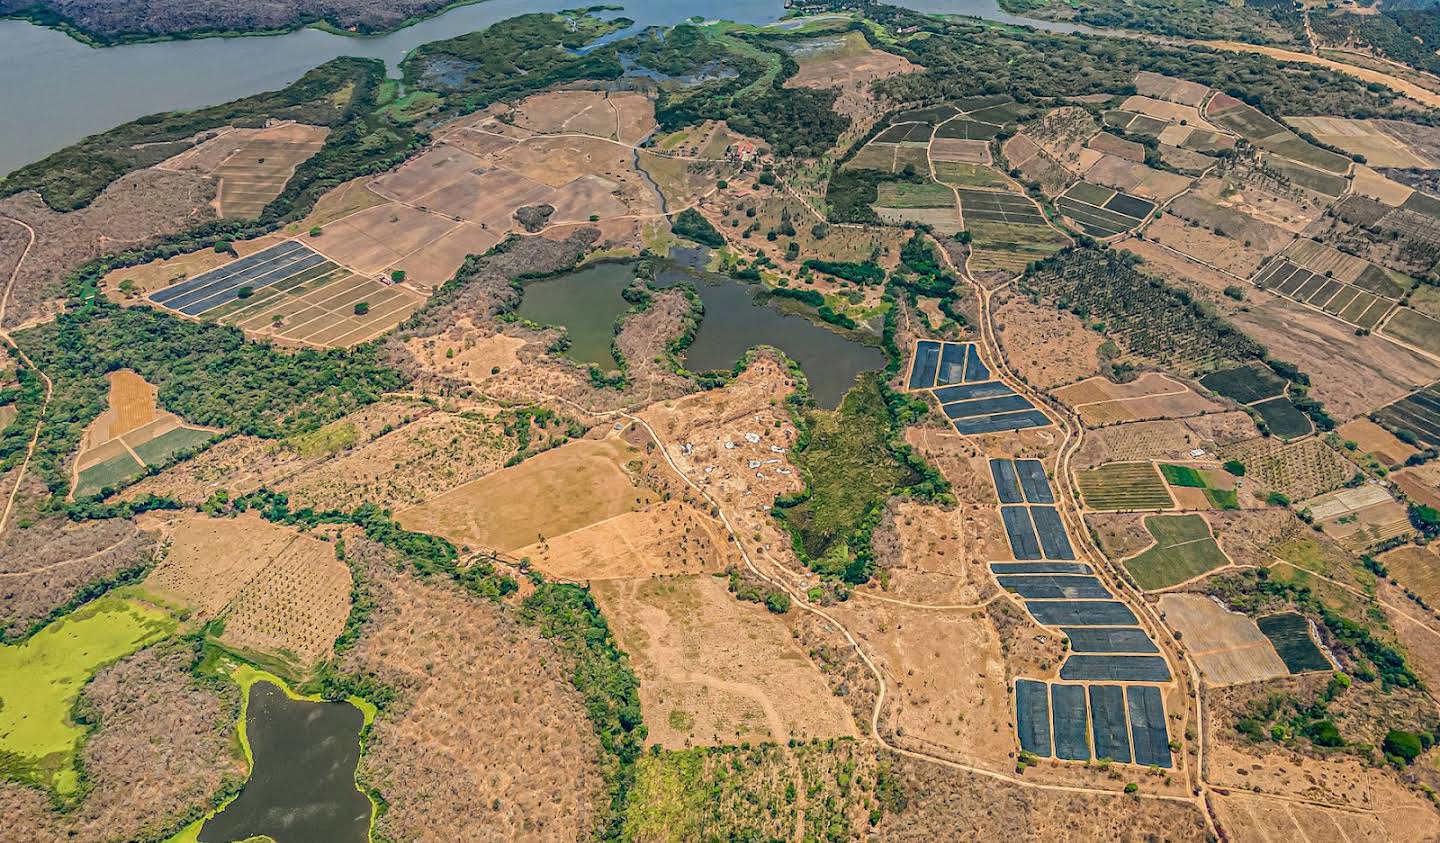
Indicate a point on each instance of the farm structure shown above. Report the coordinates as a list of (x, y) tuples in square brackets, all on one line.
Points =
[(1227, 646), (1127, 723), (958, 378), (294, 294), (1417, 413), (130, 435), (1103, 211)]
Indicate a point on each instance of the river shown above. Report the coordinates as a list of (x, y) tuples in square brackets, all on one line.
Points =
[(55, 90)]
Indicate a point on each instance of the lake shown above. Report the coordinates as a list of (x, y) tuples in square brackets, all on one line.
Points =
[(586, 303), (55, 90), (302, 785), (734, 323)]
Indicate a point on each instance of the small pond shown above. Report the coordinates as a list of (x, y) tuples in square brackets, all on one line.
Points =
[(302, 786), (586, 303), (734, 323)]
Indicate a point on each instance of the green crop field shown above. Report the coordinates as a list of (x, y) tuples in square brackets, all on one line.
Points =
[(116, 471), (1183, 475), (1123, 486), (1282, 418), (1290, 633), (1184, 549), (900, 194), (162, 448), (41, 679)]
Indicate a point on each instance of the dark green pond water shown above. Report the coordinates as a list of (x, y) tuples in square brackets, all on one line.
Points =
[(734, 323), (302, 788), (586, 304)]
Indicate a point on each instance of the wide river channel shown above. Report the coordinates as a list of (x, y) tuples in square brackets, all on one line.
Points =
[(55, 90)]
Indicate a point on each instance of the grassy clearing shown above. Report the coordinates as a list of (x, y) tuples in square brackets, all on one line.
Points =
[(41, 679), (1183, 549), (325, 440)]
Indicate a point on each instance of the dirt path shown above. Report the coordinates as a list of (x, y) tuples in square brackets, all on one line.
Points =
[(49, 387)]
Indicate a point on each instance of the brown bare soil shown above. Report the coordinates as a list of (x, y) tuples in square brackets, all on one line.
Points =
[(963, 463), (1061, 133), (136, 210), (162, 749), (1421, 483), (941, 696), (714, 670), (209, 560), (563, 489), (664, 538), (918, 546), (1035, 164), (1371, 438), (43, 566), (252, 165), (947, 804), (1250, 537), (1224, 252), (1120, 534), (486, 716), (1046, 346), (1099, 401), (1227, 646), (1164, 439), (407, 465), (295, 607)]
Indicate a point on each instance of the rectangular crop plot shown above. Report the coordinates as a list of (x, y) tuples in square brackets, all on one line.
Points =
[(1032, 716), (110, 474), (1007, 482), (1124, 486), (975, 370), (927, 360), (1418, 412), (1021, 532), (1053, 541), (1067, 711), (1034, 481), (967, 129), (1081, 613), (952, 364), (986, 406), (1045, 567), (211, 289), (1001, 421), (998, 206), (1110, 639), (1107, 717), (1147, 726), (1054, 586), (1130, 206), (1290, 633), (969, 391), (1115, 668), (1245, 384)]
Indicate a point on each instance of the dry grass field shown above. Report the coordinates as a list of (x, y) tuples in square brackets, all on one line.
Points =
[(665, 538), (1420, 483), (1163, 439), (943, 695), (1170, 88), (843, 60), (714, 670), (252, 165), (916, 545), (1227, 646), (486, 715), (1371, 438), (209, 560), (129, 435), (1046, 345), (1153, 395), (553, 493), (1417, 569), (1361, 137)]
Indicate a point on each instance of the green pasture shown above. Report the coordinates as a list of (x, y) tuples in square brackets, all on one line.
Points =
[(1183, 549)]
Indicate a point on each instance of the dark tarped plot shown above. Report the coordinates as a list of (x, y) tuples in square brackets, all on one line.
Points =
[(1002, 421), (1147, 726), (1116, 668), (1040, 568), (1052, 532), (986, 406), (1067, 711), (1023, 543), (1007, 484), (270, 257), (1054, 587), (927, 359), (1033, 479), (1081, 613), (1032, 716), (952, 364), (1109, 639), (967, 391), (974, 368), (1107, 717)]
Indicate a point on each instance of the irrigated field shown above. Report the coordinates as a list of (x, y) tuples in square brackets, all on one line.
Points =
[(130, 435), (1184, 549), (1124, 487)]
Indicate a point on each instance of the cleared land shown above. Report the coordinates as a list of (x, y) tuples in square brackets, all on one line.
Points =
[(563, 489), (665, 538), (1153, 395), (1300, 470), (714, 670), (252, 165), (1227, 646), (1184, 549), (1417, 569)]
